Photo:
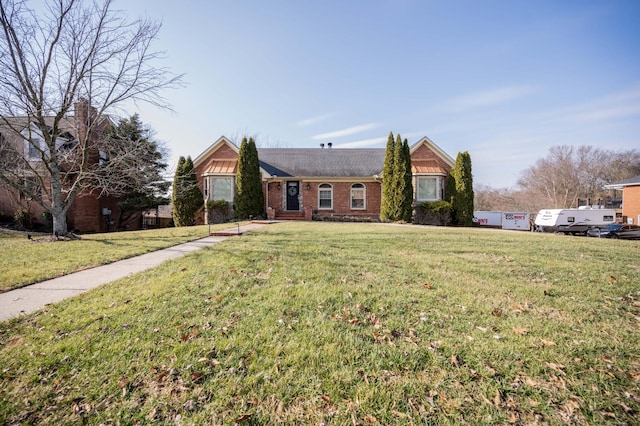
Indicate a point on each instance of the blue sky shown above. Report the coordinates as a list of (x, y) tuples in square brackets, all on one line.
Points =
[(504, 80)]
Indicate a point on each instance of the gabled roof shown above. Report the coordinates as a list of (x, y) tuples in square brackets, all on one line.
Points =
[(213, 148), (627, 182), (322, 162), (435, 148)]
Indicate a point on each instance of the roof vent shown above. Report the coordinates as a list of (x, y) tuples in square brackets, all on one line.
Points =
[(330, 145), (321, 146)]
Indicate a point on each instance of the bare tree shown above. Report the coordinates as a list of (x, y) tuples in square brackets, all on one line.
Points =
[(80, 59), (568, 174)]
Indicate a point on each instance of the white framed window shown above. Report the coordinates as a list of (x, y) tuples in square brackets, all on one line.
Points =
[(428, 188), (325, 196), (358, 192), (220, 188), (33, 148)]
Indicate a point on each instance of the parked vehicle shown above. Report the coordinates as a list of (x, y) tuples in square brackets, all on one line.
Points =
[(616, 230), (574, 221)]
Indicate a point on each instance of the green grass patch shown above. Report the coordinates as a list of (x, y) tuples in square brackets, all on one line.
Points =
[(28, 261), (306, 323)]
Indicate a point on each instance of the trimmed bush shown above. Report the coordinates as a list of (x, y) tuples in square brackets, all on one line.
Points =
[(433, 213), (218, 211)]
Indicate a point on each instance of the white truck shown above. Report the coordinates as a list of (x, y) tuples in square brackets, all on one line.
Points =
[(574, 221)]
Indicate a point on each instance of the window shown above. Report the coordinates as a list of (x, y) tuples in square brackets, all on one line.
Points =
[(103, 158), (325, 196), (357, 196), (221, 188), (427, 189), (608, 218), (33, 150)]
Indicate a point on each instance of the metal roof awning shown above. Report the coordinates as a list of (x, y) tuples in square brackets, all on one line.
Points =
[(221, 167), (427, 166)]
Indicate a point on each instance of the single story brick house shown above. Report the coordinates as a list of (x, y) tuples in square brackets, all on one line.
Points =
[(630, 198), (300, 183)]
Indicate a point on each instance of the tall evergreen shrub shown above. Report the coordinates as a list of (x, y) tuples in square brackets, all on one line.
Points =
[(460, 190), (387, 181), (187, 197), (397, 187), (407, 201), (249, 197)]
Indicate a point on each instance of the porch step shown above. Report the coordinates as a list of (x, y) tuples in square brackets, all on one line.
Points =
[(285, 215), (226, 234)]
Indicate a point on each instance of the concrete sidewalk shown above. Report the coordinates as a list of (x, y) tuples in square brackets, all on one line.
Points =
[(36, 296)]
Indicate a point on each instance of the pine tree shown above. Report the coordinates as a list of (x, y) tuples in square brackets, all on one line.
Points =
[(397, 182), (249, 197), (407, 201), (257, 193), (460, 190), (387, 181), (450, 193), (464, 189), (187, 197), (140, 165)]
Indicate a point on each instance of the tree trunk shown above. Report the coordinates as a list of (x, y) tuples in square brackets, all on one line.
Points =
[(60, 223)]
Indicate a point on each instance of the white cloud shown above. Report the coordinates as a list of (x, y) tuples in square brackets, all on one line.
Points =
[(367, 143), (346, 132), (614, 106), (314, 120), (485, 98)]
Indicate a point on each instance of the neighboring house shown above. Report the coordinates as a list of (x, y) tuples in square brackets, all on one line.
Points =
[(630, 198), (89, 212), (300, 183), (160, 217)]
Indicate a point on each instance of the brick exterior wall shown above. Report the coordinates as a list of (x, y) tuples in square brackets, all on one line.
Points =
[(342, 199), (424, 153), (85, 215), (631, 203)]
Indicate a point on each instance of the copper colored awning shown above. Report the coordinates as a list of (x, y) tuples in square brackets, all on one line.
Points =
[(222, 167), (427, 166)]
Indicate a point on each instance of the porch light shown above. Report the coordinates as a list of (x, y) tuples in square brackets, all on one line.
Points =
[(308, 187)]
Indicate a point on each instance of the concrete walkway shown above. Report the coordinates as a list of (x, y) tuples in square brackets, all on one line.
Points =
[(36, 296)]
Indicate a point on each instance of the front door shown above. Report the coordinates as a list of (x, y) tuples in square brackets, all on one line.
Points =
[(293, 189)]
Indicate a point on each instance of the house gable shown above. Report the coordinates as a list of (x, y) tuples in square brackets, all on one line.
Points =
[(428, 158), (220, 158)]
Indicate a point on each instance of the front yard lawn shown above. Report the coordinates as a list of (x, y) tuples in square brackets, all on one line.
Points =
[(306, 323), (27, 261)]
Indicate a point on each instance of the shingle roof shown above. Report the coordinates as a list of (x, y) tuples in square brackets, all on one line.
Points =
[(322, 162), (631, 181), (627, 182)]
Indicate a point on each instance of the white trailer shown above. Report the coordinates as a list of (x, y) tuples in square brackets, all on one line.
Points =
[(487, 218), (574, 221), (516, 221)]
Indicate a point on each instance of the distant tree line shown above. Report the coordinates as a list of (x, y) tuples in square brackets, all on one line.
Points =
[(564, 177)]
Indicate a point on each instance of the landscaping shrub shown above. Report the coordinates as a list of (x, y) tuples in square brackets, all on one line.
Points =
[(218, 211), (433, 213)]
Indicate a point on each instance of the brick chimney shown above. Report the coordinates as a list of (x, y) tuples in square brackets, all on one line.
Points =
[(84, 115)]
